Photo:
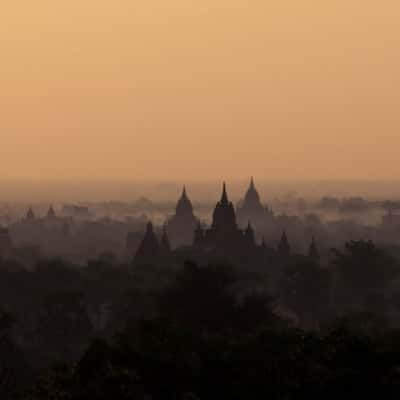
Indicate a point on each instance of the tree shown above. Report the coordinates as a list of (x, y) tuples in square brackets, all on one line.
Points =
[(14, 369), (305, 289), (64, 325), (203, 299), (363, 273), (200, 298)]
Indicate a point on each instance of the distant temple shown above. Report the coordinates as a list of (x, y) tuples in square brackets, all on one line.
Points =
[(313, 252), (284, 246), (151, 248), (30, 215), (224, 236), (181, 226), (223, 239), (51, 214), (252, 209), (165, 245)]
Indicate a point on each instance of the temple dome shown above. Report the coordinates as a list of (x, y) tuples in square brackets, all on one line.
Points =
[(181, 226), (224, 217), (184, 206), (149, 247), (252, 198)]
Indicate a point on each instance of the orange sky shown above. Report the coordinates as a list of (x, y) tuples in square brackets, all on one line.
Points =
[(181, 89)]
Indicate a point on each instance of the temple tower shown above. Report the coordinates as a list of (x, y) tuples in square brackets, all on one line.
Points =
[(284, 246), (181, 226), (149, 248)]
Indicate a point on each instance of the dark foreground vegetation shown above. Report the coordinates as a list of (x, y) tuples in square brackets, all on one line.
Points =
[(290, 330)]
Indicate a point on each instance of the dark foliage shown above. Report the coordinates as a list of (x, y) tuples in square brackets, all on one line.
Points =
[(203, 332)]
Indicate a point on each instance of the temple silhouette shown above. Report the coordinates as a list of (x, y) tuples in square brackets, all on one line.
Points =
[(181, 226), (149, 249), (185, 234), (30, 215), (224, 235), (51, 214), (251, 209), (227, 238)]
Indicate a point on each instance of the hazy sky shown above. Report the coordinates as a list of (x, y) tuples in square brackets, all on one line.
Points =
[(181, 89)]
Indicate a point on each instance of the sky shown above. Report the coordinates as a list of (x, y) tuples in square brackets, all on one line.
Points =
[(198, 90)]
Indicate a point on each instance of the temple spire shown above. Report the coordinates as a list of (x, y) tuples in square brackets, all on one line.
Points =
[(181, 225), (252, 185), (224, 198), (51, 213), (284, 246), (313, 250), (30, 215), (184, 205), (184, 194), (263, 244), (249, 236), (149, 248), (165, 244)]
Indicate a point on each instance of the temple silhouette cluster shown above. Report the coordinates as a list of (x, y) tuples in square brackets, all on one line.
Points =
[(182, 225), (231, 233), (224, 236), (252, 209)]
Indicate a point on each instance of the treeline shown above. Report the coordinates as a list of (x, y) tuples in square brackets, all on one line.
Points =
[(284, 330)]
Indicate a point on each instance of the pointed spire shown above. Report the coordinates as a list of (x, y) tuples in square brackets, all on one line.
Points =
[(149, 227), (284, 246), (263, 244), (252, 205), (184, 206), (249, 227), (184, 194), (224, 197), (149, 248), (252, 185), (313, 250), (165, 244), (51, 213), (30, 214), (250, 237)]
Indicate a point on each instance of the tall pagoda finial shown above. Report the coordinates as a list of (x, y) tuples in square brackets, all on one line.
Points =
[(224, 198), (313, 250), (30, 214), (184, 205), (165, 244), (51, 213), (284, 246), (149, 247), (252, 185), (263, 244)]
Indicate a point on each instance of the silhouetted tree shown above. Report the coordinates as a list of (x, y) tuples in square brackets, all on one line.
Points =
[(64, 325), (14, 370), (305, 289), (363, 272)]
